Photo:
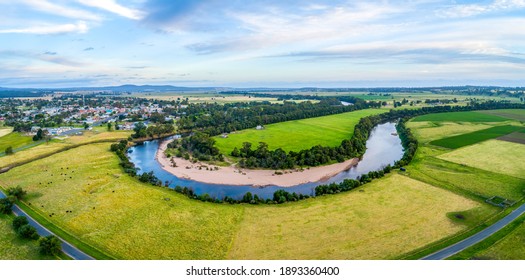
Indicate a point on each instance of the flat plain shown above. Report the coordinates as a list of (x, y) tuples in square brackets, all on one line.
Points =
[(300, 134), (458, 141)]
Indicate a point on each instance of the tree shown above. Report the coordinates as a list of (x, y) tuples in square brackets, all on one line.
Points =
[(5, 205), (9, 150), (50, 245), (19, 221), (40, 134), (86, 125), (16, 192), (110, 127), (27, 231)]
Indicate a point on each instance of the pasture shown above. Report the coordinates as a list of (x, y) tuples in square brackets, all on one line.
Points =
[(509, 247), (381, 220), (117, 214), (5, 130), (493, 155), (474, 117), (15, 140), (426, 131), (58, 144), (12, 247), (463, 140), (299, 134), (516, 137)]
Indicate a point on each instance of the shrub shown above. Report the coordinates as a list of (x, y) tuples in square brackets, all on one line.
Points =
[(50, 245), (19, 221), (27, 231)]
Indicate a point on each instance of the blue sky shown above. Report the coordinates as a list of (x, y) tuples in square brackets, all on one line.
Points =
[(270, 43)]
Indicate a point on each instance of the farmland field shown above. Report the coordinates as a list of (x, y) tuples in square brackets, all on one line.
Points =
[(516, 137), (429, 131), (459, 117), (390, 217), (5, 130), (12, 247), (15, 140), (57, 144), (515, 114), (463, 140), (300, 134), (130, 220), (508, 248), (493, 155)]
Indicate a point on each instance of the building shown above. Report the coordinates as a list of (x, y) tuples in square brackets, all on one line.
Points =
[(259, 127)]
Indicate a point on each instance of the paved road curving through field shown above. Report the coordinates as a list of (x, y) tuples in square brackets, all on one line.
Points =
[(476, 238), (67, 248)]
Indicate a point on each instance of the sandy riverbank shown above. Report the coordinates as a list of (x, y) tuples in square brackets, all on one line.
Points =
[(234, 176)]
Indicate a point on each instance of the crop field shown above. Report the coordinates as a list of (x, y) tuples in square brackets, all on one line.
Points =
[(464, 179), (57, 144), (429, 131), (463, 140), (12, 247), (389, 217), (515, 114), (493, 155), (516, 137), (15, 140), (460, 117), (300, 134)]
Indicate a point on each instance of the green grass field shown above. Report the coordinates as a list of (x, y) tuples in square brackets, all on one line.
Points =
[(459, 117), (299, 135), (429, 131), (388, 218), (509, 247), (130, 220), (494, 155), (15, 140), (5, 130), (12, 247), (463, 140), (515, 114)]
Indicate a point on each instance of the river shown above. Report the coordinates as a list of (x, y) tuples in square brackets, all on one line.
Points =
[(382, 148)]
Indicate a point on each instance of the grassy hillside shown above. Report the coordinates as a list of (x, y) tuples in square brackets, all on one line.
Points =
[(5, 130), (300, 134), (15, 140)]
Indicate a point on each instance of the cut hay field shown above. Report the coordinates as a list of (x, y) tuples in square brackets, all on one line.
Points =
[(12, 247), (15, 140), (463, 140), (493, 155), (516, 137), (429, 131), (57, 144), (390, 217), (129, 220), (515, 114), (5, 130), (300, 134), (460, 117)]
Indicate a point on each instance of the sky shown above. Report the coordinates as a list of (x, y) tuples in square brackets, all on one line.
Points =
[(265, 43)]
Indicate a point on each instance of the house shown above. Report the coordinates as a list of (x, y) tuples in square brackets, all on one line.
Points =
[(259, 127), (224, 135)]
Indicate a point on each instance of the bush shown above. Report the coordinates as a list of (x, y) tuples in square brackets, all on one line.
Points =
[(27, 231), (5, 205), (17, 192), (50, 245), (9, 150), (19, 221)]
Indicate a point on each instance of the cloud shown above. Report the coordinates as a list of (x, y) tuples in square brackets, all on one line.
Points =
[(468, 10), (169, 11), (113, 7), (50, 53), (79, 27), (89, 49), (43, 57), (64, 11)]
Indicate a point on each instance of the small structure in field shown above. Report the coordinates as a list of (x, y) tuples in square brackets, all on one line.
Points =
[(259, 127), (224, 135)]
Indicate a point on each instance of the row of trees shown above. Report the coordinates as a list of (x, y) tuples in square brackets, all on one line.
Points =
[(143, 131), (215, 119)]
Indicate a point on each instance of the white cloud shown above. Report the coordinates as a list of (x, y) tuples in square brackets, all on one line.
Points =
[(467, 10), (51, 8), (113, 7), (80, 27)]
